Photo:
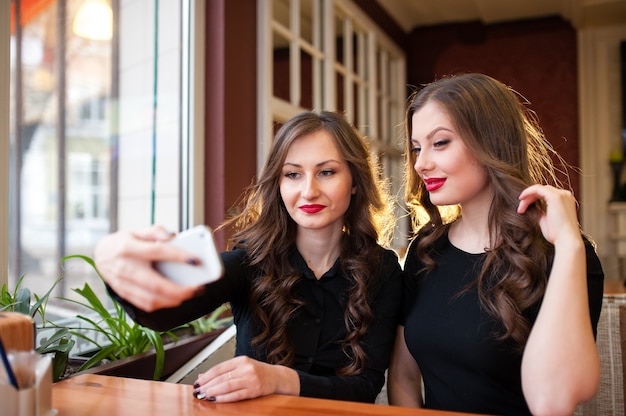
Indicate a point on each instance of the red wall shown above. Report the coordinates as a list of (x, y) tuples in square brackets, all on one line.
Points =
[(535, 57), (230, 114)]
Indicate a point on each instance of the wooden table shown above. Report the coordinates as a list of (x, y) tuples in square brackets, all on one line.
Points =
[(95, 395)]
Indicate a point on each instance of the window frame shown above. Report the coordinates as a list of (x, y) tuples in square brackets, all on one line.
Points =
[(5, 74), (191, 122)]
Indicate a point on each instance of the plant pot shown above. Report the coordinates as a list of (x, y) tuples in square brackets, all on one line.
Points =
[(142, 365)]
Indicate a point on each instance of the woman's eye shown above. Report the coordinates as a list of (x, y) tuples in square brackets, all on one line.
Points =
[(291, 175), (327, 172), (416, 149), (441, 143)]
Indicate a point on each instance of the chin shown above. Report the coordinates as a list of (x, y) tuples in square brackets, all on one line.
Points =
[(441, 202)]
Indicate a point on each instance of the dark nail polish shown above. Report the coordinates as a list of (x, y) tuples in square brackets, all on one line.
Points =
[(193, 261), (196, 385), (211, 399), (199, 396)]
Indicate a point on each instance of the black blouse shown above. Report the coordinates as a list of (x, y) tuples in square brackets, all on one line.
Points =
[(464, 367), (315, 331)]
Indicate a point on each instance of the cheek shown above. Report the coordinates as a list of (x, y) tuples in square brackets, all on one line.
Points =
[(284, 193), (343, 195), (478, 176)]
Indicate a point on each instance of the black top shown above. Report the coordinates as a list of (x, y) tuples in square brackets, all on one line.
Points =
[(315, 330), (463, 367)]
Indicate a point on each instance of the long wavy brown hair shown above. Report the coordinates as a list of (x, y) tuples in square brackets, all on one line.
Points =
[(504, 135), (267, 233)]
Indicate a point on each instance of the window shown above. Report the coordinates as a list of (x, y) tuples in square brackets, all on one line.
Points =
[(101, 128), (329, 55)]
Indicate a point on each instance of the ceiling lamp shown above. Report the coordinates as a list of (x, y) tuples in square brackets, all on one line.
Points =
[(94, 20)]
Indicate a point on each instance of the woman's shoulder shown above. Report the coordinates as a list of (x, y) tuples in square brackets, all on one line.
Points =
[(236, 261), (414, 241), (389, 281), (388, 256), (236, 253)]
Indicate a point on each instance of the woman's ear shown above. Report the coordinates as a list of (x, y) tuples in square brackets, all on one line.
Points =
[(353, 190)]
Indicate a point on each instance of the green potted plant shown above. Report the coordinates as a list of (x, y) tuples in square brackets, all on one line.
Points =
[(132, 350), (21, 300), (120, 346)]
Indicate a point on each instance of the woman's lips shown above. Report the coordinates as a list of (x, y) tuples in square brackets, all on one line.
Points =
[(312, 209), (434, 183)]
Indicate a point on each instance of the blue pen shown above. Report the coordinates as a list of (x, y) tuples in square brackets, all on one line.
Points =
[(7, 365)]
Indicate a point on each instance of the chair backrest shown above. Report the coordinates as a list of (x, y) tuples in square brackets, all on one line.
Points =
[(611, 342)]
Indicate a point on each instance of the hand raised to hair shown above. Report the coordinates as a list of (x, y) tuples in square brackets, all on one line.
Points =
[(560, 220), (124, 260)]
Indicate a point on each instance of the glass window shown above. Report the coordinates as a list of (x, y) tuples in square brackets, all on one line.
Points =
[(97, 139)]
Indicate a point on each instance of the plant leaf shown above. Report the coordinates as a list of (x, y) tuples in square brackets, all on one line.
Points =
[(38, 306), (157, 342), (61, 357), (102, 354), (22, 301)]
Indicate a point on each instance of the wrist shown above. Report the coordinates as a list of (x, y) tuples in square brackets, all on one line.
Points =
[(288, 381)]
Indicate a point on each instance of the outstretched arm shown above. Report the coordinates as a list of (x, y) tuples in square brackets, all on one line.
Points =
[(124, 260)]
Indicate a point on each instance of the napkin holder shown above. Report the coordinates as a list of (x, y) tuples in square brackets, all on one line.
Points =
[(33, 401)]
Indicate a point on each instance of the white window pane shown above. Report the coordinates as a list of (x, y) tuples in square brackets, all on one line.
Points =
[(95, 134)]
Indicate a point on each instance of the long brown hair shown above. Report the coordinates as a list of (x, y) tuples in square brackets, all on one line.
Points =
[(267, 233), (505, 137)]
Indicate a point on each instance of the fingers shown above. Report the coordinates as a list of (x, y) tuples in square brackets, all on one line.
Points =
[(532, 194), (560, 199), (233, 380), (137, 282), (146, 244), (124, 260), (154, 233), (560, 220)]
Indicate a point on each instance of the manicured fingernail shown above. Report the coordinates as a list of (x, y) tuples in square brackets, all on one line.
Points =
[(193, 261), (211, 399), (200, 395), (196, 385)]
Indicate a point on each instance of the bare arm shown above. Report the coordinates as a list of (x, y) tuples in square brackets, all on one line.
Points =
[(560, 365), (404, 380)]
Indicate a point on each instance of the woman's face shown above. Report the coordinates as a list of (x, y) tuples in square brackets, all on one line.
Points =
[(316, 182), (451, 173)]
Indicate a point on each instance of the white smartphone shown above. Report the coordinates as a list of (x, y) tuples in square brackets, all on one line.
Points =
[(199, 241)]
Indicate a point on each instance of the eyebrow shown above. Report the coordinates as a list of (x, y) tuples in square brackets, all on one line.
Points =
[(433, 132), (316, 165)]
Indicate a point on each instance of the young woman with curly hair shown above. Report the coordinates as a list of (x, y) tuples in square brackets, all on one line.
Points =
[(504, 291), (315, 296)]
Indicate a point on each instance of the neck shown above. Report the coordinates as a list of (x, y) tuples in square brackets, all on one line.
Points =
[(319, 251), (470, 232)]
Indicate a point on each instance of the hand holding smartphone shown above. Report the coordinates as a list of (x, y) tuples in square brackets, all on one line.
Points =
[(199, 241)]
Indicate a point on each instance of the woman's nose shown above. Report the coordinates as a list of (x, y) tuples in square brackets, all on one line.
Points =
[(422, 162), (311, 188)]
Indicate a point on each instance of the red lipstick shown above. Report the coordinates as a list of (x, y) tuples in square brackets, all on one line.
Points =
[(312, 209), (432, 184)]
